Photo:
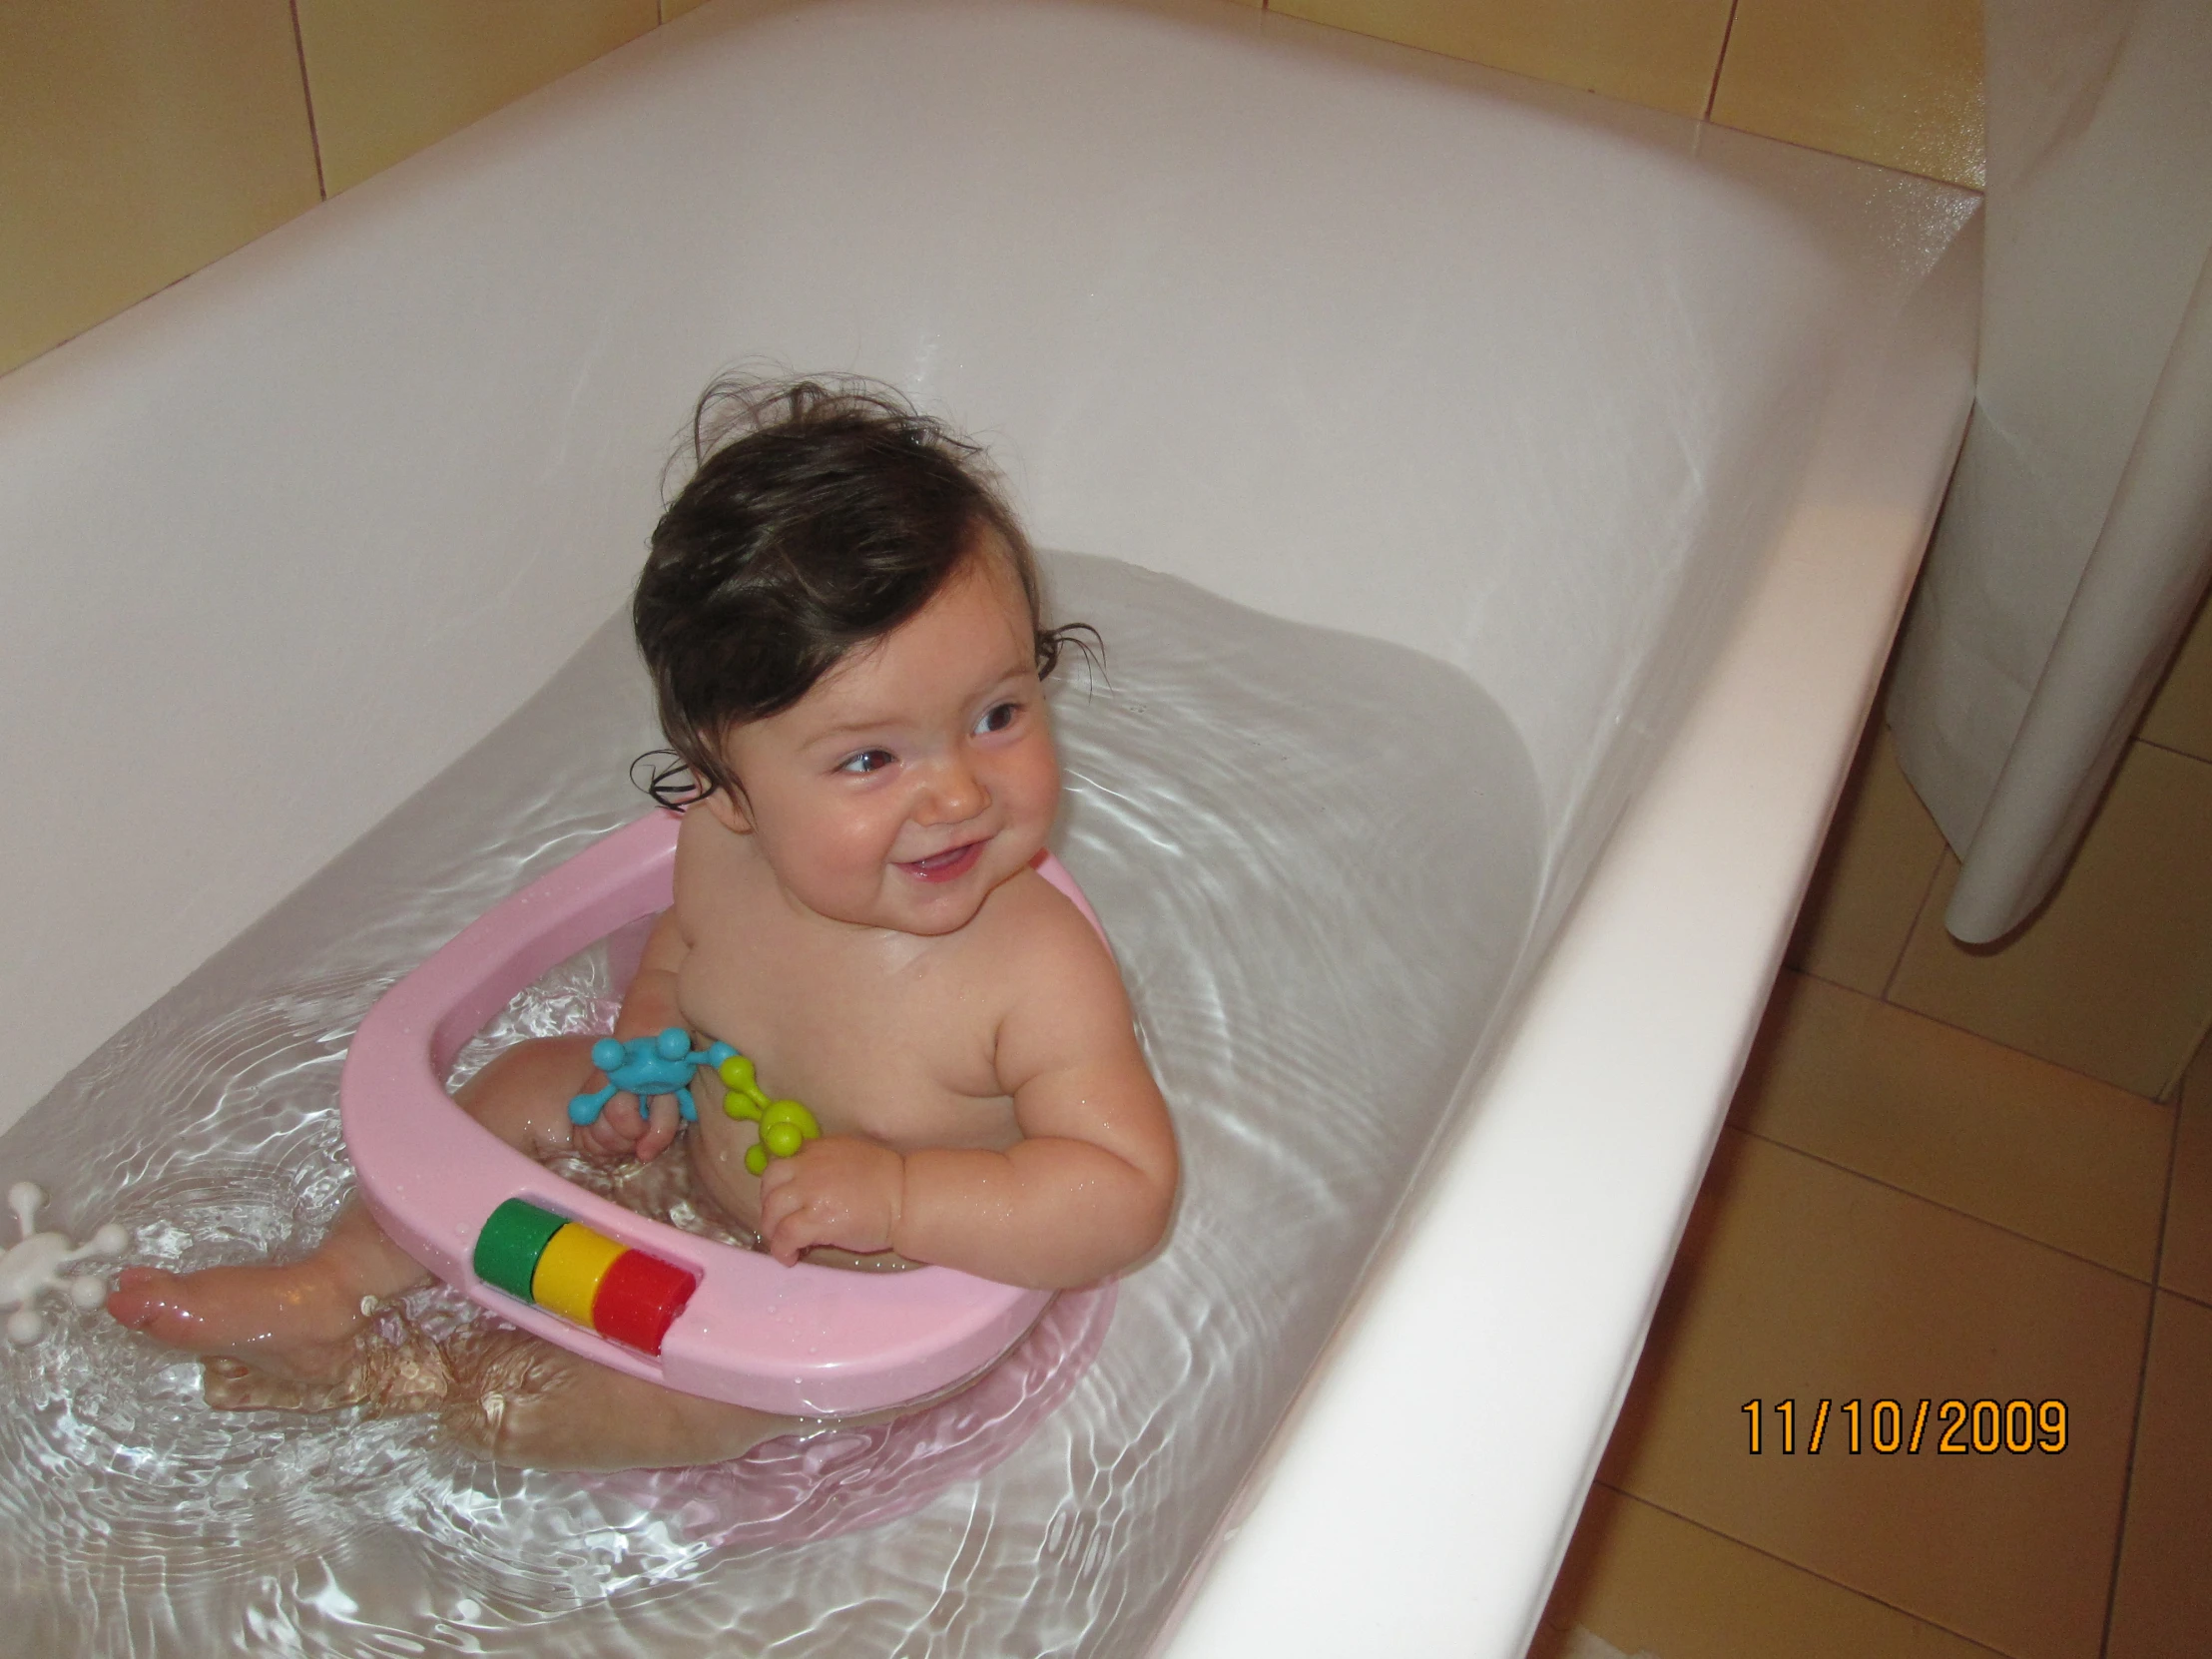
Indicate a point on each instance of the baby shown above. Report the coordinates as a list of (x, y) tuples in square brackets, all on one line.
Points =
[(842, 621)]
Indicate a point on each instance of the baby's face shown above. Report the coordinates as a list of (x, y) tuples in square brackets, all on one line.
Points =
[(916, 776)]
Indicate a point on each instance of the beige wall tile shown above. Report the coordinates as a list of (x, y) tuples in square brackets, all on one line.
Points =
[(1803, 1281), (2162, 1600), (2114, 977), (1646, 1580), (392, 78), (2180, 716), (2063, 1159), (2185, 1265), (1881, 856), (1657, 51), (138, 140), (1891, 81)]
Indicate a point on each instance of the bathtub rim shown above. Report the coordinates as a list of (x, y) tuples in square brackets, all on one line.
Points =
[(1833, 590)]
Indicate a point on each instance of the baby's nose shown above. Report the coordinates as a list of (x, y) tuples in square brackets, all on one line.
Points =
[(954, 794)]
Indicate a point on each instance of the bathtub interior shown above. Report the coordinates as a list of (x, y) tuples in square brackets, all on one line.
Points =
[(1506, 389)]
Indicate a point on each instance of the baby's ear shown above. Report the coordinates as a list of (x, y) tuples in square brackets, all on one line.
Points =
[(727, 808)]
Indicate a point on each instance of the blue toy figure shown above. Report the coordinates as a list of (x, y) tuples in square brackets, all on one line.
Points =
[(647, 1066)]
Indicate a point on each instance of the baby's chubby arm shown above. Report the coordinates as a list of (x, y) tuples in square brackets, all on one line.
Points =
[(1087, 1190), (648, 1008)]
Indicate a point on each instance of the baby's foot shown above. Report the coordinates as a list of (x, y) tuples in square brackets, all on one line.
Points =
[(527, 1404), (291, 1323), (233, 1385), (387, 1377)]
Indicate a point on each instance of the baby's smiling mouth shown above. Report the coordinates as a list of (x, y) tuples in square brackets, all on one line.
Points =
[(949, 865)]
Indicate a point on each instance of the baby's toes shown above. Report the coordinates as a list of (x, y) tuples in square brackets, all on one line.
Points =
[(494, 1374), (233, 1385), (146, 1299), (472, 1425), (408, 1376)]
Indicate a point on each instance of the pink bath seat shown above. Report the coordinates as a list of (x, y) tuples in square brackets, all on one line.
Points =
[(803, 1340), (803, 1488)]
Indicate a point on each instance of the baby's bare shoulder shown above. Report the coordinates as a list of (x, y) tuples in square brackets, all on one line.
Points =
[(1054, 971), (1034, 928)]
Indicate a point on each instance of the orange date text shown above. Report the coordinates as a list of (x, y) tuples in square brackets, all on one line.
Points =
[(1945, 1428)]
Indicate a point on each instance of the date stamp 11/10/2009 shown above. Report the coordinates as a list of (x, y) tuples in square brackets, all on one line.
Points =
[(1947, 1428)]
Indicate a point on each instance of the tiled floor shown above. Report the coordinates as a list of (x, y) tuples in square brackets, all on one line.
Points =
[(1900, 1210)]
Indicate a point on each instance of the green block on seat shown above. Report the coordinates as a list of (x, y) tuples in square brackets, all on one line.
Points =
[(513, 1239)]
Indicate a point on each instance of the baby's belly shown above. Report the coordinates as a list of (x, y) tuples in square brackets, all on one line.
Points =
[(720, 1178), (717, 1144)]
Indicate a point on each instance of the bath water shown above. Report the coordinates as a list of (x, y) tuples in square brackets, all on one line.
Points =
[(1317, 858)]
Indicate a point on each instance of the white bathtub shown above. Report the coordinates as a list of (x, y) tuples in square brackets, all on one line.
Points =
[(1639, 423)]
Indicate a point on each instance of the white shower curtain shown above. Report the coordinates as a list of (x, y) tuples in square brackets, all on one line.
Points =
[(2078, 539)]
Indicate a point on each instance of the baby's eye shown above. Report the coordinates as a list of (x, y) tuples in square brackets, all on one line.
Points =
[(869, 760), (998, 717)]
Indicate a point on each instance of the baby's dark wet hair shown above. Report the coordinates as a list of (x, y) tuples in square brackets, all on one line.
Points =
[(820, 515)]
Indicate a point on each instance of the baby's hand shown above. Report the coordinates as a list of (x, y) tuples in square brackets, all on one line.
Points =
[(837, 1190), (622, 1131)]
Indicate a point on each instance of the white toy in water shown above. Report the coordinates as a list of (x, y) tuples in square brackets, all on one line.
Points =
[(34, 1264)]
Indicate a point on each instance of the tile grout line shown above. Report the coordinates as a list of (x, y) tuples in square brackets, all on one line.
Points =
[(2142, 1393), (2169, 749), (1985, 1037), (2181, 1072), (2190, 1298), (1896, 964), (1713, 92), (2204, 1029), (2150, 1284), (307, 93), (1795, 1566)]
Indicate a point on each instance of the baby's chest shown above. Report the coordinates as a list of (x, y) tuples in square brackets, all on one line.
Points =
[(904, 1057)]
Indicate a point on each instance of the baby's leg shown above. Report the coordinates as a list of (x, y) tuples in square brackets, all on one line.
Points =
[(297, 1320), (296, 1323), (521, 1402), (503, 1395)]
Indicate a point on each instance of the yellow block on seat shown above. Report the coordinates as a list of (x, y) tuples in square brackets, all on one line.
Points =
[(575, 1260)]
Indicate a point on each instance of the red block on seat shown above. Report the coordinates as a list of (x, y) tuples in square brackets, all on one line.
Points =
[(639, 1300)]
